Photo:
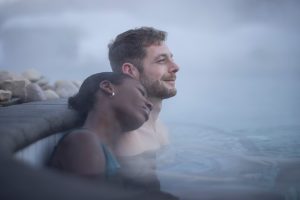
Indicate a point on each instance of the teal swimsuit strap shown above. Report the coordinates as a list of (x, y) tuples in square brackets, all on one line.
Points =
[(112, 165)]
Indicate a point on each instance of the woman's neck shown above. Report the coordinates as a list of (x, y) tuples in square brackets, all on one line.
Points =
[(105, 125)]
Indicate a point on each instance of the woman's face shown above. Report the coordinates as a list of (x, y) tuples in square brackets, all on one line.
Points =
[(131, 104)]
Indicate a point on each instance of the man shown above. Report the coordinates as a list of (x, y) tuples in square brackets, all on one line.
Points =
[(143, 54)]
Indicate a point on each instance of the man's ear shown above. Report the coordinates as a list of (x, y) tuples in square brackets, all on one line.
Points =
[(107, 87), (131, 70)]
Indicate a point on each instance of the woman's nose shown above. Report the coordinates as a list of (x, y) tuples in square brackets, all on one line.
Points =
[(149, 105)]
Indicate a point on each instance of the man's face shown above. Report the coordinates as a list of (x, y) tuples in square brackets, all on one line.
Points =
[(159, 74)]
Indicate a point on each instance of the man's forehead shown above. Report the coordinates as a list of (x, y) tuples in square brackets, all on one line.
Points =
[(158, 50)]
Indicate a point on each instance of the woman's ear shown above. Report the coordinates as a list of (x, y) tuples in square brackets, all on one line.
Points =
[(131, 70), (107, 87)]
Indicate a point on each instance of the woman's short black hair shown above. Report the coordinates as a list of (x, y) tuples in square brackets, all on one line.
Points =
[(84, 100)]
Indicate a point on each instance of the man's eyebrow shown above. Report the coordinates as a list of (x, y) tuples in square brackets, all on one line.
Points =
[(165, 55)]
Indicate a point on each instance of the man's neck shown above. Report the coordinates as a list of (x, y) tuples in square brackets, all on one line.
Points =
[(156, 108)]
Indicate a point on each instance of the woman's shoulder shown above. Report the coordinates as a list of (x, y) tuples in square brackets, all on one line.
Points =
[(80, 152), (80, 137), (81, 141)]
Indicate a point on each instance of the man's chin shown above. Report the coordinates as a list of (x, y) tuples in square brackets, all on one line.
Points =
[(169, 94), (160, 90)]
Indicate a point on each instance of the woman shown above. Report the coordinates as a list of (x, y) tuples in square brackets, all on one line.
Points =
[(109, 104)]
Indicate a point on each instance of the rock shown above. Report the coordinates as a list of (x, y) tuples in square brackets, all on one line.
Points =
[(16, 76), (34, 93), (47, 87), (42, 81), (5, 75), (65, 88), (77, 83), (17, 87), (5, 95), (10, 102), (50, 94), (32, 75)]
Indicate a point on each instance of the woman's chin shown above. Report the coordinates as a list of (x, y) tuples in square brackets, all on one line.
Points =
[(133, 126)]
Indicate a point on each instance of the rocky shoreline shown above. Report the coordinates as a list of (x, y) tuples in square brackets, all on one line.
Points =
[(31, 85)]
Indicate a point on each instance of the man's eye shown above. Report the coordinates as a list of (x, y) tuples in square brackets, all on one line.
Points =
[(161, 60)]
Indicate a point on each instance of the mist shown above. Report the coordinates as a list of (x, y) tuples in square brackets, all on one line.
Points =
[(239, 60)]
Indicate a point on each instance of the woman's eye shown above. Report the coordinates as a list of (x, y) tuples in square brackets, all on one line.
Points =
[(142, 92)]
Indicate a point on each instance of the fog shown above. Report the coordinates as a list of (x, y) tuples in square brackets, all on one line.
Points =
[(239, 60)]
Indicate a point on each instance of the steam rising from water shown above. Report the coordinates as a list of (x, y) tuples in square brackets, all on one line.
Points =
[(239, 59)]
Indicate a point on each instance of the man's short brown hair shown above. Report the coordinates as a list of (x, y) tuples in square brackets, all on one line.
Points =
[(130, 46)]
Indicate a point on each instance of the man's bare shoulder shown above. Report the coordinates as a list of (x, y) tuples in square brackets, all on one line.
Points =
[(147, 137)]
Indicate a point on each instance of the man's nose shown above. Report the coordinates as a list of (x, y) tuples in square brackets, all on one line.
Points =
[(174, 67)]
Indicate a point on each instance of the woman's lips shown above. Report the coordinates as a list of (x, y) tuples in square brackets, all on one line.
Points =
[(146, 111)]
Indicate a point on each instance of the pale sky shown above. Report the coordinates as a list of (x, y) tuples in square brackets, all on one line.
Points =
[(239, 59)]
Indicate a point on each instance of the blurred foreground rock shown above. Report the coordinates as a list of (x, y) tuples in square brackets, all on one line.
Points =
[(65, 88), (5, 95), (32, 75), (34, 93), (31, 85), (50, 94)]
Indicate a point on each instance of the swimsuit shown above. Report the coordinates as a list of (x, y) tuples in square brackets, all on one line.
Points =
[(111, 164)]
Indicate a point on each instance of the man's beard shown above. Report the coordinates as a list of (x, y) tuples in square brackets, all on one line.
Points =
[(157, 88)]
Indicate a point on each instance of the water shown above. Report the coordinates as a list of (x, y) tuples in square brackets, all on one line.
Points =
[(258, 163)]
